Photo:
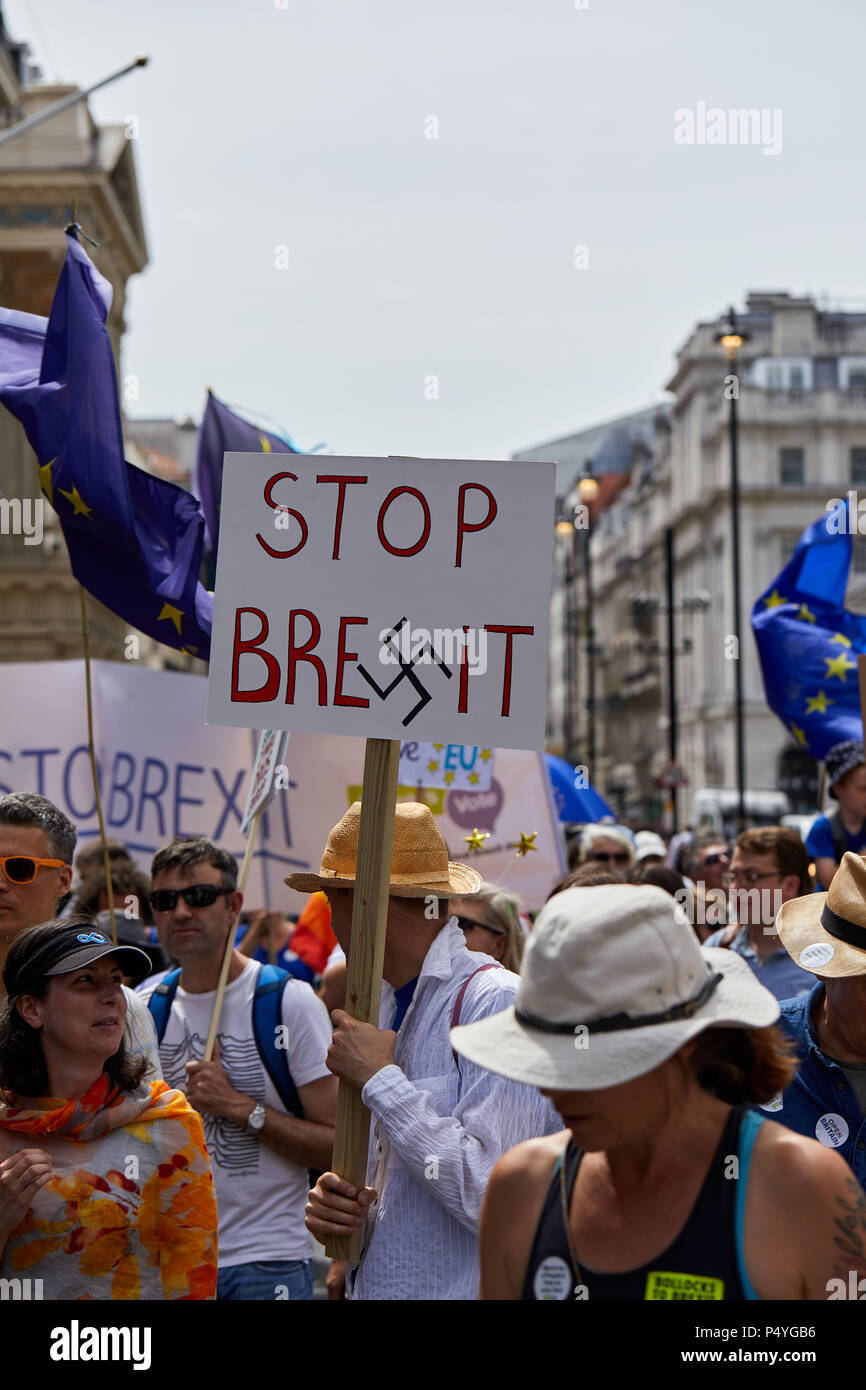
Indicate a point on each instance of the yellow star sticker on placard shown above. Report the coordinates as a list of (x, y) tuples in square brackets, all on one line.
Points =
[(438, 747), (774, 599), (527, 842), (81, 507), (818, 702), (473, 778), (476, 839), (485, 755), (45, 480), (173, 614), (432, 765), (799, 735), (838, 637), (805, 614), (838, 665)]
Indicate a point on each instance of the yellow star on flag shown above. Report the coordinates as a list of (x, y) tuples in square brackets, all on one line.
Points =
[(476, 839), (485, 755), (805, 614), (818, 702), (798, 734), (438, 747), (45, 480), (173, 614), (838, 637), (473, 778), (774, 599), (527, 842), (265, 442), (838, 665), (449, 778), (81, 507), (432, 765)]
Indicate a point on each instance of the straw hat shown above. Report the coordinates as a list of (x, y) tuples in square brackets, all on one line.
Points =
[(419, 864), (613, 982), (826, 932)]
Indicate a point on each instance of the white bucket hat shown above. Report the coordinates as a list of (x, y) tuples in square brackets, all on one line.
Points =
[(613, 982)]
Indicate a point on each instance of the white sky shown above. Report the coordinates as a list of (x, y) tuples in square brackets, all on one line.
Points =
[(410, 257)]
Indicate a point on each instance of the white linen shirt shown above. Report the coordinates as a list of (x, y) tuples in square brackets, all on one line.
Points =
[(436, 1132)]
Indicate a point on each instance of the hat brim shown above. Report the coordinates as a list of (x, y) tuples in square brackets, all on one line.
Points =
[(463, 882), (130, 958), (798, 923), (568, 1062)]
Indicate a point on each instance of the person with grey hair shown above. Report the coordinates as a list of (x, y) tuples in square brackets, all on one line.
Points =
[(37, 844), (607, 844), (490, 922)]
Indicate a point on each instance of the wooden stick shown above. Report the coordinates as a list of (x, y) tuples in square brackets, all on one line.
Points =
[(105, 859), (366, 956), (230, 940)]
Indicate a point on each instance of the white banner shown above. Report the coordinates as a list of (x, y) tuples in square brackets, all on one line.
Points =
[(386, 598), (164, 772)]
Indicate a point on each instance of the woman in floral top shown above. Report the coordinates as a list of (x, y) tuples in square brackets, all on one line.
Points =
[(106, 1190)]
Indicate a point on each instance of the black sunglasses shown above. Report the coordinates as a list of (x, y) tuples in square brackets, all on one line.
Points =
[(198, 895), (721, 857), (466, 924), (619, 858)]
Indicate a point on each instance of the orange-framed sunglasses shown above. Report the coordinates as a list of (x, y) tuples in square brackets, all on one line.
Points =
[(23, 868)]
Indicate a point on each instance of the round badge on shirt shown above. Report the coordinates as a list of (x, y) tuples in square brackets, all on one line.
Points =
[(553, 1279), (832, 1130)]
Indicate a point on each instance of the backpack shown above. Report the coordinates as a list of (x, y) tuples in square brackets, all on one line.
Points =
[(267, 1017), (458, 1003), (840, 839)]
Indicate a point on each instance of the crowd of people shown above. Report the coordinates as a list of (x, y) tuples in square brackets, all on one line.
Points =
[(656, 1089)]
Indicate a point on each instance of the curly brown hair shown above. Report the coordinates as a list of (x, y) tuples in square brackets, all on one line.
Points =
[(743, 1066)]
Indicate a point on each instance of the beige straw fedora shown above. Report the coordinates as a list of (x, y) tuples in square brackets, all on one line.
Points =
[(420, 865), (826, 932)]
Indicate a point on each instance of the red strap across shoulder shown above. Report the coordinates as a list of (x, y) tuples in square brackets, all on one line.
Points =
[(458, 1002)]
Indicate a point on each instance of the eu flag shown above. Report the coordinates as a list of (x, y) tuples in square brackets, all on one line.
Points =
[(808, 641), (134, 540), (223, 432)]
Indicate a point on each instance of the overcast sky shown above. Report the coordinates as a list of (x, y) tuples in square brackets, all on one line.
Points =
[(411, 258)]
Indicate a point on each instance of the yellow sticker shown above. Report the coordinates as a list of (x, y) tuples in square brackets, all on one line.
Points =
[(661, 1284)]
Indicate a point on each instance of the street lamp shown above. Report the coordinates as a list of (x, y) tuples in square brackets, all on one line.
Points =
[(731, 339), (587, 488), (564, 529)]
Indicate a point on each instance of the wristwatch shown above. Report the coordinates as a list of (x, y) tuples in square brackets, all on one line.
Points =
[(257, 1118)]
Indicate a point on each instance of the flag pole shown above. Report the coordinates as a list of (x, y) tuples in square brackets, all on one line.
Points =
[(105, 859), (230, 939)]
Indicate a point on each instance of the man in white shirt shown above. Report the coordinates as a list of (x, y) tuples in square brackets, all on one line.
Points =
[(37, 844), (438, 1126), (261, 1137)]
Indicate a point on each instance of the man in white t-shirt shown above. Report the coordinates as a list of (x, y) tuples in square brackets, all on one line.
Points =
[(260, 1152), (37, 843)]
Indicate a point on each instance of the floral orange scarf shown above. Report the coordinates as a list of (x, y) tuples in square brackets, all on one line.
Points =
[(130, 1212)]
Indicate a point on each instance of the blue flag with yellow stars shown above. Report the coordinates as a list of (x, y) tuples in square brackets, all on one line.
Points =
[(223, 432), (808, 641), (134, 540)]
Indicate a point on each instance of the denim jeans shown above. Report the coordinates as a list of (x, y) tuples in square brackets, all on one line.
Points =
[(266, 1280)]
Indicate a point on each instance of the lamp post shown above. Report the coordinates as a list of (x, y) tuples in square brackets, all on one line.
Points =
[(564, 529), (731, 339), (587, 487)]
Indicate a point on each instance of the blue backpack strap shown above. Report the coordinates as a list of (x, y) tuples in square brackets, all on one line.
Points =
[(749, 1126), (161, 1000), (267, 1022)]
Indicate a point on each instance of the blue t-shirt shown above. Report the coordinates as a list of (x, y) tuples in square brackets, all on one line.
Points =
[(819, 841), (778, 973), (820, 1101)]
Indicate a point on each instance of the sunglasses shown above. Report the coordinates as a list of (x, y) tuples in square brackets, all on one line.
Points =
[(198, 895), (619, 858), (466, 924), (750, 876), (22, 868), (721, 858)]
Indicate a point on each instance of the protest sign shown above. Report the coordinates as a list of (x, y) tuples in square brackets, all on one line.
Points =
[(386, 598), (270, 755), (452, 766)]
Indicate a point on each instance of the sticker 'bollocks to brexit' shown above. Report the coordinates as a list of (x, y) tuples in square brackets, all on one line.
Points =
[(386, 598)]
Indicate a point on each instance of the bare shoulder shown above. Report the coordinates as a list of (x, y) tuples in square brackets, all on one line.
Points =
[(509, 1215), (532, 1160), (786, 1162)]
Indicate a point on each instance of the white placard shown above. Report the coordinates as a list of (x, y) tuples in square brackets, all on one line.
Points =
[(270, 755), (455, 767), (386, 598)]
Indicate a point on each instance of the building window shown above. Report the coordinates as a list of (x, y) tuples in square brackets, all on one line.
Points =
[(796, 378), (791, 467), (858, 465), (857, 380)]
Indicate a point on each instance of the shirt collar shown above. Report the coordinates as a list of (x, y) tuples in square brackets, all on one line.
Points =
[(446, 945)]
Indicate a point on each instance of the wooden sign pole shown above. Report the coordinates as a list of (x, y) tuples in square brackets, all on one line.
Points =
[(366, 956), (230, 940)]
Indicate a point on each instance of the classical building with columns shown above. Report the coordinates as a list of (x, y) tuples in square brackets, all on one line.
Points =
[(801, 401), (67, 163)]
